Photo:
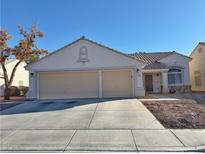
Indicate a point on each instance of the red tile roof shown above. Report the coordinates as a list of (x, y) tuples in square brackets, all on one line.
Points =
[(150, 58), (155, 65)]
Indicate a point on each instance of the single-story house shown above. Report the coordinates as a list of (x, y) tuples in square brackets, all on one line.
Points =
[(87, 69), (21, 76), (197, 67)]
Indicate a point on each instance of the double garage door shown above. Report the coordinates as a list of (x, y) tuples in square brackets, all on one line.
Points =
[(85, 84)]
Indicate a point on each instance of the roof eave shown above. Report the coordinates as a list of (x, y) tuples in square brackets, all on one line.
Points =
[(154, 70), (200, 43), (117, 51)]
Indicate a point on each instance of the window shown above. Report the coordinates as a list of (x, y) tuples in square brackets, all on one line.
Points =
[(174, 76), (197, 78)]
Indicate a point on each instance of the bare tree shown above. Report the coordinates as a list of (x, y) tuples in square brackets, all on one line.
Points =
[(26, 50)]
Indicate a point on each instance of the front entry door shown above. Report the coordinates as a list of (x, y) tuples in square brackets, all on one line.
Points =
[(148, 83)]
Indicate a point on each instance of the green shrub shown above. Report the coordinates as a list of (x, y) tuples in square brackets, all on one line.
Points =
[(24, 90), (14, 91)]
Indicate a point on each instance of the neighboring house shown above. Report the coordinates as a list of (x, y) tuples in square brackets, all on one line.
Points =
[(164, 71), (87, 69), (21, 76), (197, 67)]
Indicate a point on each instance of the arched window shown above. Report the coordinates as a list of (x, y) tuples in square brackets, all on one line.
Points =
[(174, 76)]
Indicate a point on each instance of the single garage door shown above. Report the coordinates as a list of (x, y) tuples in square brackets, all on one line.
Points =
[(58, 85), (117, 83)]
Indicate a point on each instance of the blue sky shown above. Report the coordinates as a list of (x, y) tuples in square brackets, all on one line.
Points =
[(125, 25)]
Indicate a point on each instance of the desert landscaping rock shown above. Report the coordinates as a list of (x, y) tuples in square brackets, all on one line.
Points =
[(178, 114)]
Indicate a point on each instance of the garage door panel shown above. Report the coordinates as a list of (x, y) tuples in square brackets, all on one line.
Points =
[(56, 85), (117, 83)]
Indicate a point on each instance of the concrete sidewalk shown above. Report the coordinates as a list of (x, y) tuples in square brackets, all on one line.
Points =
[(102, 140)]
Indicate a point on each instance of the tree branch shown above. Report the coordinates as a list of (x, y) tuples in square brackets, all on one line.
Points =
[(13, 72), (5, 74)]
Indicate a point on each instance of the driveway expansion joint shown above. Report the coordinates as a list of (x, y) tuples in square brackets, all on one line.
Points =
[(134, 140), (177, 138), (93, 115), (69, 141)]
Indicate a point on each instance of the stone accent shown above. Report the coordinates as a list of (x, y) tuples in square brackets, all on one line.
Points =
[(181, 89)]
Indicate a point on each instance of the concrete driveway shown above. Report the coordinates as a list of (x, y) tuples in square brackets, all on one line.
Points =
[(78, 125), (81, 114)]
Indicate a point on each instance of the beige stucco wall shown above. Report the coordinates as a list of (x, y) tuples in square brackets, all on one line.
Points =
[(198, 64), (176, 60), (21, 75), (100, 58)]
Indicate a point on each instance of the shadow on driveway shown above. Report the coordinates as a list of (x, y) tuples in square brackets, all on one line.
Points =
[(6, 105), (51, 105)]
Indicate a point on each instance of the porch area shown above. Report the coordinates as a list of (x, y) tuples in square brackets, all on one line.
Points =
[(155, 81)]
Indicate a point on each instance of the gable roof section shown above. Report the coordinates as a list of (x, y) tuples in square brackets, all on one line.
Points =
[(91, 41), (150, 58), (200, 43), (155, 65)]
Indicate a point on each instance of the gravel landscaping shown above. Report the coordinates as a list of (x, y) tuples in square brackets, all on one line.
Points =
[(178, 114)]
